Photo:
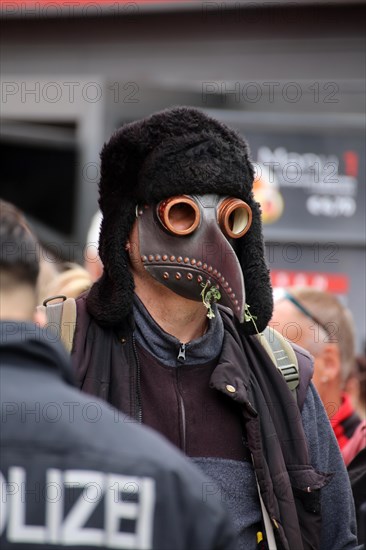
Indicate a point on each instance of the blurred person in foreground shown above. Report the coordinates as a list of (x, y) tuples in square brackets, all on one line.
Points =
[(317, 321), (74, 472), (180, 232)]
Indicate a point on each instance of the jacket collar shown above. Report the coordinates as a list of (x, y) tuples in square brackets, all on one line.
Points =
[(231, 375), (26, 344), (165, 347)]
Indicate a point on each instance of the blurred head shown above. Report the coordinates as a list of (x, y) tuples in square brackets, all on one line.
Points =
[(92, 262), (317, 321), (71, 281), (48, 270), (19, 265)]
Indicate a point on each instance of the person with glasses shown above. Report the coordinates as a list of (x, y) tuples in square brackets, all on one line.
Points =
[(317, 321)]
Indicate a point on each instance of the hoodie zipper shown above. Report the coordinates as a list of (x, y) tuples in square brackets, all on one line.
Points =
[(182, 353), (181, 357)]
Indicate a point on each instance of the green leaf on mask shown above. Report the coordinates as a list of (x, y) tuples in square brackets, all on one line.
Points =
[(210, 295)]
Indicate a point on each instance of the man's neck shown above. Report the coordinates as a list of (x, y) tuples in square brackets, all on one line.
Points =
[(182, 318)]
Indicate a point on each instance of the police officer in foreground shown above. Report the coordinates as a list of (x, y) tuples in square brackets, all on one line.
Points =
[(74, 472)]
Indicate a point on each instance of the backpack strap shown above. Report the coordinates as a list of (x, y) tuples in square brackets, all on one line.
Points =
[(283, 356), (284, 359), (305, 363), (62, 317)]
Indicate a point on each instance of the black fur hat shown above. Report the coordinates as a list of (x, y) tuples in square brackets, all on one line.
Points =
[(176, 151)]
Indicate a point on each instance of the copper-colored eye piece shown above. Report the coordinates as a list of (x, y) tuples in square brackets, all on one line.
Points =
[(234, 217), (179, 215)]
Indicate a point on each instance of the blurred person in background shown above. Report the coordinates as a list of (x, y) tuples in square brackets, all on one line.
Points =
[(317, 321), (356, 385), (47, 272), (180, 232), (355, 443), (354, 452), (357, 474), (70, 280), (92, 262), (74, 472)]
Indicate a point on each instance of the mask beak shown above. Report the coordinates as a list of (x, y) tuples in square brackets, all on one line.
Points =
[(189, 263), (222, 269)]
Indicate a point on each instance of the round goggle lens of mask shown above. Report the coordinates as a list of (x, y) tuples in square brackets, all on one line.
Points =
[(235, 217), (179, 215)]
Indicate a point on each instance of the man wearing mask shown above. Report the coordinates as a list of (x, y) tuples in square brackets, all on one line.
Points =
[(168, 334)]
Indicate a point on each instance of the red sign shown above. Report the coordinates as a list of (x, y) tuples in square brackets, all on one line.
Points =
[(330, 282)]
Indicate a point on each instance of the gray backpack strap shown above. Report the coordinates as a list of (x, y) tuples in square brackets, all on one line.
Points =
[(61, 316), (282, 355), (305, 362)]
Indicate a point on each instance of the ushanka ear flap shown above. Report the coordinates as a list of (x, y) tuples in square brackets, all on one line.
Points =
[(110, 299), (258, 290)]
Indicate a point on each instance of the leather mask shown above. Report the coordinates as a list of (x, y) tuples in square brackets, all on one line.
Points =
[(186, 242)]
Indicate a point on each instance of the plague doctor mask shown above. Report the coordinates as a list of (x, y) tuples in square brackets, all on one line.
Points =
[(186, 245)]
